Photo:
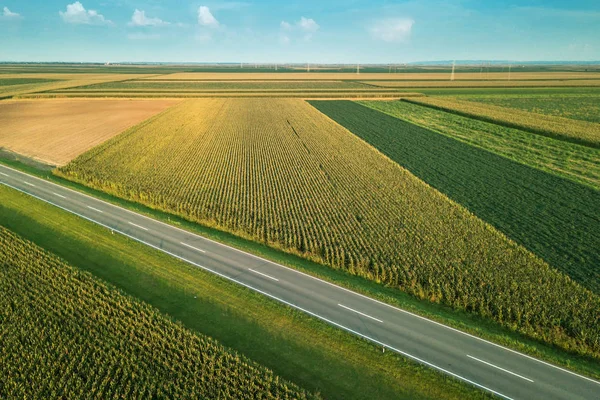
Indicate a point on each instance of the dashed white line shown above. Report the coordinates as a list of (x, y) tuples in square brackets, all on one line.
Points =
[(30, 184), (2, 173), (95, 209), (59, 195), (137, 226), (273, 297), (358, 312), (501, 369), (265, 275), (192, 247)]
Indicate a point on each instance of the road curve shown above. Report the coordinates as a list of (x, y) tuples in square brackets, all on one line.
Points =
[(504, 372)]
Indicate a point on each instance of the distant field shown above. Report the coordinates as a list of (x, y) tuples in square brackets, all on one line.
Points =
[(281, 173), (553, 217), (581, 108), (76, 337), (22, 81), (483, 83), (581, 132), (376, 76), (572, 161), (56, 131), (224, 85)]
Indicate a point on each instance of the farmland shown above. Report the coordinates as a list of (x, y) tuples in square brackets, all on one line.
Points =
[(580, 108), (572, 161), (553, 217), (64, 330), (581, 132), (344, 205), (56, 131), (445, 83)]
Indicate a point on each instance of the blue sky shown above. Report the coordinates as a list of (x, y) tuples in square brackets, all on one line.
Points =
[(327, 31)]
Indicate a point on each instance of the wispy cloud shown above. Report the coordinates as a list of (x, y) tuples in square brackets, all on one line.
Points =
[(77, 14), (139, 18), (206, 19), (7, 14), (392, 29), (307, 26)]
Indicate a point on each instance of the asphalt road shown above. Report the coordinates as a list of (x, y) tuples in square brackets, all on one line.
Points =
[(504, 372)]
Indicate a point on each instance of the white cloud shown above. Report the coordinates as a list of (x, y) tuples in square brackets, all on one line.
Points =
[(284, 39), (139, 19), (286, 26), (77, 14), (308, 25), (205, 18), (9, 14), (392, 30)]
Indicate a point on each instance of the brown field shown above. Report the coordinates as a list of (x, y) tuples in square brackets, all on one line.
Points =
[(329, 76), (56, 131), (490, 83)]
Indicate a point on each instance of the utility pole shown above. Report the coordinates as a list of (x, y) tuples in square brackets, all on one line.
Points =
[(452, 74), (357, 69)]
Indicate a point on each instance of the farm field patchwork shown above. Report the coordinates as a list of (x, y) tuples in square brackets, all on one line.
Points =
[(572, 161), (56, 131), (555, 218), (75, 336), (484, 83), (581, 132), (281, 173), (581, 108)]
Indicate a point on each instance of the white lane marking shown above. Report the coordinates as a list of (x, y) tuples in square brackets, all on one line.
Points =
[(304, 274), (273, 297), (95, 209), (2, 173), (358, 312), (59, 195), (497, 367), (30, 184), (192, 247), (137, 226), (265, 275)]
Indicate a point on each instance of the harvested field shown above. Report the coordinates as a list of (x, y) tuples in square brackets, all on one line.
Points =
[(56, 131), (281, 173)]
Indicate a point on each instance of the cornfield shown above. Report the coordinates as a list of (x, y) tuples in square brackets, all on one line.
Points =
[(65, 334), (582, 132), (280, 172)]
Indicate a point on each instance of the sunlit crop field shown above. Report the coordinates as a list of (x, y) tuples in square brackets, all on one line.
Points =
[(65, 334), (280, 172)]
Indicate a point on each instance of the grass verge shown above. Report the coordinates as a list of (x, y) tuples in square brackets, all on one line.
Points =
[(452, 317), (294, 345)]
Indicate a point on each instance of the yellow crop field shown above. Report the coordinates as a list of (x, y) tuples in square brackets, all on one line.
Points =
[(583, 132), (56, 131), (280, 172)]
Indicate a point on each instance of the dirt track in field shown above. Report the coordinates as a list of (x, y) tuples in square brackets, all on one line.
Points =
[(56, 131)]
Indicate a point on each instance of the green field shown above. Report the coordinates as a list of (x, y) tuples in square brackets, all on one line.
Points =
[(22, 81), (345, 204), (553, 217), (581, 108), (580, 132), (75, 337), (295, 346), (568, 160)]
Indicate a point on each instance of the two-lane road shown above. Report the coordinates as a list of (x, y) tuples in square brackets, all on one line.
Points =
[(504, 372)]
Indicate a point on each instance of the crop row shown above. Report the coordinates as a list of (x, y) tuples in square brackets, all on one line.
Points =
[(65, 334), (581, 132), (280, 172), (572, 161)]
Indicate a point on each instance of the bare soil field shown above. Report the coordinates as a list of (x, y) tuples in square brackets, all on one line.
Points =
[(56, 131)]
